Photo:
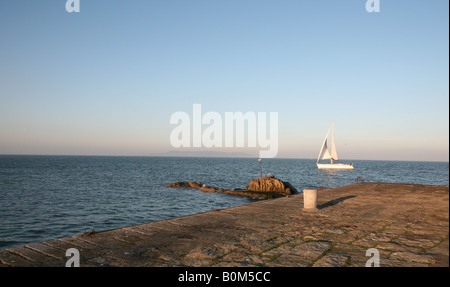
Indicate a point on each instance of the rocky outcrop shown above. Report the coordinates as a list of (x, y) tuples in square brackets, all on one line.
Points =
[(264, 187), (191, 184), (270, 184)]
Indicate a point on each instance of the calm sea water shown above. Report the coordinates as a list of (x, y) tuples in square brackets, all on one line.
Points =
[(49, 197)]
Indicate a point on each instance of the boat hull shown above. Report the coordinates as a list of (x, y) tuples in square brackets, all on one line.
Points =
[(335, 166)]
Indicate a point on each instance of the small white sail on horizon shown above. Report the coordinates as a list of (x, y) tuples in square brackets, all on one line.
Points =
[(325, 154)]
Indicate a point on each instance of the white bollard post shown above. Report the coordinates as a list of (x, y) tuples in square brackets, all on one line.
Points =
[(310, 199)]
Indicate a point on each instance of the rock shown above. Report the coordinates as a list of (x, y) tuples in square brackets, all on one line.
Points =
[(264, 187), (270, 184), (208, 189), (190, 184)]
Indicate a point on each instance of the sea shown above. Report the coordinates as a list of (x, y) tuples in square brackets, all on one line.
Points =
[(50, 197)]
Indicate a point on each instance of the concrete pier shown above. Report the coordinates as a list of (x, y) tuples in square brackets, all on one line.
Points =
[(407, 224)]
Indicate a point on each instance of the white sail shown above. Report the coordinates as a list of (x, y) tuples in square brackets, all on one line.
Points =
[(334, 155), (324, 152)]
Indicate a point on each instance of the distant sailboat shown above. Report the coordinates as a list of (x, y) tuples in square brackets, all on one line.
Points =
[(325, 154)]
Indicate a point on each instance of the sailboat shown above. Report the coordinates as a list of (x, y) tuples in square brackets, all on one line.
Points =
[(325, 154)]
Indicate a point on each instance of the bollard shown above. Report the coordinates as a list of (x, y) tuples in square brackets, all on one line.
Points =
[(310, 199)]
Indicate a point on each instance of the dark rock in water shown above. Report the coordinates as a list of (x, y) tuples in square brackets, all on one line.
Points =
[(208, 189), (271, 184), (191, 184), (264, 187)]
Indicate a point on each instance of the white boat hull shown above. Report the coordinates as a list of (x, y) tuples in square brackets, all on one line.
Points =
[(335, 166)]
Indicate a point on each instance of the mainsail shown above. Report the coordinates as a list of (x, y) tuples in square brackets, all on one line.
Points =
[(325, 152), (334, 155)]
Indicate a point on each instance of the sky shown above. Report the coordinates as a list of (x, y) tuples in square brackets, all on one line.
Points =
[(106, 80)]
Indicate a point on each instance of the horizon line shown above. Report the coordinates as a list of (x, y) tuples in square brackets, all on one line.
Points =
[(210, 156)]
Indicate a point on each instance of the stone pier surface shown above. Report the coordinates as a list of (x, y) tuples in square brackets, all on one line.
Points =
[(408, 225)]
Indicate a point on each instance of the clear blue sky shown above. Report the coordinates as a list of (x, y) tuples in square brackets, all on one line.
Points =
[(106, 80)]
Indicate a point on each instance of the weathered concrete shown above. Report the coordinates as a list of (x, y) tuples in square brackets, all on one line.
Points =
[(408, 224)]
